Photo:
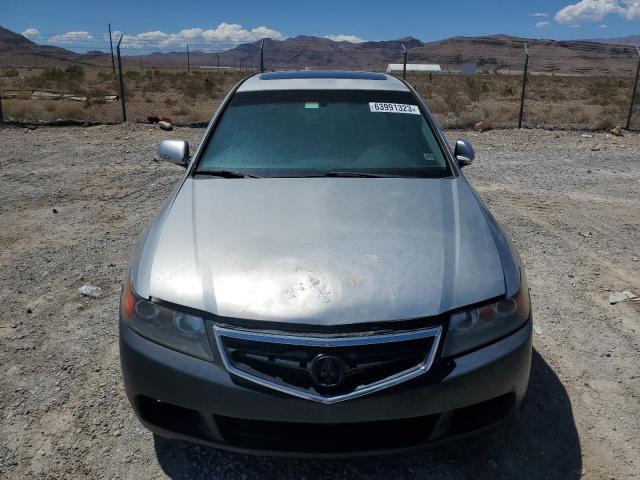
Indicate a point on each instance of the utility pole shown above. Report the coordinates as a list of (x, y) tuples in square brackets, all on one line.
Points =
[(634, 90), (188, 61), (218, 55), (524, 84), (113, 62)]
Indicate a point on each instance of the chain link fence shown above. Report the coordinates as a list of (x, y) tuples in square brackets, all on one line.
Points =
[(184, 84)]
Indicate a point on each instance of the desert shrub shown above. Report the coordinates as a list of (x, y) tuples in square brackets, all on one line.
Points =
[(499, 112), (132, 74), (74, 72), (106, 76), (49, 106), (454, 98), (67, 79), (437, 104), (604, 122), (474, 87), (181, 110), (468, 119), (578, 115), (507, 90), (52, 75), (95, 96), (11, 72), (70, 111)]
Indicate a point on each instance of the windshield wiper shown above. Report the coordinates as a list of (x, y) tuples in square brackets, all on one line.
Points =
[(226, 174), (353, 174)]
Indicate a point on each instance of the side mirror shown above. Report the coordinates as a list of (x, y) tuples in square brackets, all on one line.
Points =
[(464, 152), (174, 151)]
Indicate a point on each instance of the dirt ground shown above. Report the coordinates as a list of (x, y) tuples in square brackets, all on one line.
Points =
[(75, 199)]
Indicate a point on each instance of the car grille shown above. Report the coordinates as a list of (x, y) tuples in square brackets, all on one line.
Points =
[(327, 369)]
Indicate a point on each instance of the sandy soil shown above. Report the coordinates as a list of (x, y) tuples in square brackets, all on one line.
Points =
[(75, 199)]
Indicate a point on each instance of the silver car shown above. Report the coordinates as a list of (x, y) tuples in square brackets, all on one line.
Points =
[(324, 280)]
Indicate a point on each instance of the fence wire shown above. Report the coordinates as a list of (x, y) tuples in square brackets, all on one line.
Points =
[(184, 83)]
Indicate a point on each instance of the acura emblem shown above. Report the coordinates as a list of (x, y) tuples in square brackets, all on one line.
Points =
[(327, 370)]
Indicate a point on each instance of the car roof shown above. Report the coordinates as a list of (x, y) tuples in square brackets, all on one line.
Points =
[(322, 80)]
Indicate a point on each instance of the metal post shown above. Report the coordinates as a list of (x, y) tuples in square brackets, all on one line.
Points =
[(124, 108), (1, 116), (113, 62), (188, 61), (524, 84), (218, 55), (635, 90), (404, 64), (262, 56)]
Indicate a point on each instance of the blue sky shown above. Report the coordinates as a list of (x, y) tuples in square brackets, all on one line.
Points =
[(245, 20)]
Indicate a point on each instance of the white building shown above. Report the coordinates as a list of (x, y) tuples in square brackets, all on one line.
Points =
[(414, 67)]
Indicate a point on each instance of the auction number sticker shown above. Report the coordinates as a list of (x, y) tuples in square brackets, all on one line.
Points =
[(393, 108)]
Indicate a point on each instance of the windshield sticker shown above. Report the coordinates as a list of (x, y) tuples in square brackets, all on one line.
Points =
[(393, 108), (311, 104), (430, 157)]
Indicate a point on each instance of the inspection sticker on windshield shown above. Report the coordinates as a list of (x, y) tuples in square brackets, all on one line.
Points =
[(393, 108)]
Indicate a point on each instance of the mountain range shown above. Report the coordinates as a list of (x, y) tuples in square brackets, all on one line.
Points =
[(490, 53)]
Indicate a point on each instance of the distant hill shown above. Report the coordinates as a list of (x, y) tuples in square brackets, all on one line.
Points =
[(490, 53), (504, 52), (629, 40), (16, 49), (11, 42), (307, 51)]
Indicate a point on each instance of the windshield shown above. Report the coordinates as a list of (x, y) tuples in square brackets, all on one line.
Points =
[(315, 133)]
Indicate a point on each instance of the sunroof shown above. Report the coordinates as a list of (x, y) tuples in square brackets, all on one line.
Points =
[(337, 74)]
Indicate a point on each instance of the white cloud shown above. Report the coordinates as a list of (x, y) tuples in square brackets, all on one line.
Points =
[(596, 10), (345, 38), (225, 32), (542, 24), (540, 14), (70, 37), (575, 25), (602, 26), (31, 32)]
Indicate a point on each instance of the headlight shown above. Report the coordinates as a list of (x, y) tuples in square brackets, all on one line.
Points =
[(177, 330), (469, 329)]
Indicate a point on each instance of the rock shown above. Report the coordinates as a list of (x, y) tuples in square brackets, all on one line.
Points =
[(55, 210), (165, 125), (587, 135), (616, 297), (482, 126), (629, 294), (617, 131), (596, 148), (585, 234), (90, 291), (537, 329)]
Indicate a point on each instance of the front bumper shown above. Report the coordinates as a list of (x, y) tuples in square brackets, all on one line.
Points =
[(179, 396)]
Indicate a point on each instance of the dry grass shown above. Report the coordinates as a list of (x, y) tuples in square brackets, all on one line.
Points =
[(457, 101), (562, 101)]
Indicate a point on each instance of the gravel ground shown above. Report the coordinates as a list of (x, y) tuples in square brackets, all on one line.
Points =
[(75, 199)]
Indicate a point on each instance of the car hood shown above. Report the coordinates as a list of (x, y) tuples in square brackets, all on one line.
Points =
[(325, 251)]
